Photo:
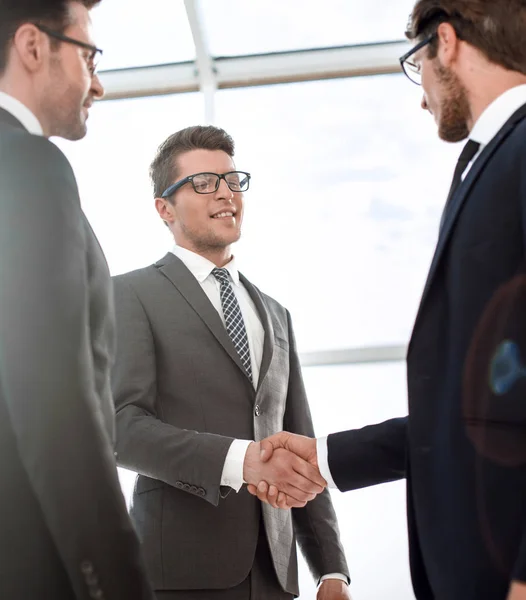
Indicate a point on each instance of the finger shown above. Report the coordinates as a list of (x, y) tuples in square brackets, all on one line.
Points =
[(267, 494), (285, 502), (252, 489), (282, 501), (263, 488), (273, 491), (267, 449), (297, 493), (310, 472), (302, 483)]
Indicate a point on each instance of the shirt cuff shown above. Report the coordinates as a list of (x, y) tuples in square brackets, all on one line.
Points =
[(232, 475), (322, 451), (339, 576)]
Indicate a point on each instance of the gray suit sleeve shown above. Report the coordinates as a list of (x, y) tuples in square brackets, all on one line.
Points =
[(144, 443), (47, 375), (315, 525)]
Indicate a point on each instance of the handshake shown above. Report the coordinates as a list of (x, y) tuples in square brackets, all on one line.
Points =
[(283, 471)]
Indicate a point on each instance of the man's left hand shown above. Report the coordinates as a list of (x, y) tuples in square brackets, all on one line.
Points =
[(333, 589)]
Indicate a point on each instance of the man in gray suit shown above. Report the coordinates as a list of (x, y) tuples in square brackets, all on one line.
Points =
[(64, 530), (205, 364)]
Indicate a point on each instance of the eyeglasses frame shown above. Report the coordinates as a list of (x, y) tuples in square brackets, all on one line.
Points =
[(69, 40), (414, 50), (190, 179)]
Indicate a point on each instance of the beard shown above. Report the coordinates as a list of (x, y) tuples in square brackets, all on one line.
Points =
[(62, 105), (455, 110)]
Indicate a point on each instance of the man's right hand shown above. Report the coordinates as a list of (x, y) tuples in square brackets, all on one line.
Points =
[(298, 479), (300, 445)]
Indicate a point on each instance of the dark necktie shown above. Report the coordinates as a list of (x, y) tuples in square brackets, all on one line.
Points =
[(466, 156), (235, 325)]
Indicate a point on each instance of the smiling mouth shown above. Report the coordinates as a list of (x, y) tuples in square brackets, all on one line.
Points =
[(224, 215)]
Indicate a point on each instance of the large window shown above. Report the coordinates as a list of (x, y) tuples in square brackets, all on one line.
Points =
[(134, 33), (373, 520), (349, 179), (111, 164), (236, 27)]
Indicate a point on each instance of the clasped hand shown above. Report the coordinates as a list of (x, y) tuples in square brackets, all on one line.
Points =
[(282, 470)]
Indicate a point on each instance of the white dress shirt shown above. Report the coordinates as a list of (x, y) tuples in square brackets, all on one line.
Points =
[(21, 112), (494, 117)]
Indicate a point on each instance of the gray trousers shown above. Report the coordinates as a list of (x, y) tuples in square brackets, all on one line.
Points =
[(261, 583)]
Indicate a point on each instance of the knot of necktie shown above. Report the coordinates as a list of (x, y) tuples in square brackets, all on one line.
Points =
[(221, 275)]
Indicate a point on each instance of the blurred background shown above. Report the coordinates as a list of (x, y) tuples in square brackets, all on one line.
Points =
[(348, 183)]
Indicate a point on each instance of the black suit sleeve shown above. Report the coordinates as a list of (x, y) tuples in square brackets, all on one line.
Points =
[(315, 525), (368, 456), (47, 374)]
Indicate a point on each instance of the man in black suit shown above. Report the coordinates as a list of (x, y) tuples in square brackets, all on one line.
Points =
[(463, 446), (64, 530)]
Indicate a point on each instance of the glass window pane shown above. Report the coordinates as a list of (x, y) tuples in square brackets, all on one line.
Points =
[(348, 184), (372, 521), (236, 27), (111, 164), (135, 34)]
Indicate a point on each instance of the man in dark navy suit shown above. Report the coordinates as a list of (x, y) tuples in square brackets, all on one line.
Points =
[(463, 446)]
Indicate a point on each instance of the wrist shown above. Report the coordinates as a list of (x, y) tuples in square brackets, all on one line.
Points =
[(252, 456)]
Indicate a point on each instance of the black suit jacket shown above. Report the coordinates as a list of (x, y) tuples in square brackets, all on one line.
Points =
[(64, 530), (463, 446)]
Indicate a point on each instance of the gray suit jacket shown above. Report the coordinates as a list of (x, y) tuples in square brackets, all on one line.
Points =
[(64, 530), (182, 396)]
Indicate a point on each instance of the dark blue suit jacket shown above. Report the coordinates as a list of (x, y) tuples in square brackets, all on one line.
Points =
[(463, 446)]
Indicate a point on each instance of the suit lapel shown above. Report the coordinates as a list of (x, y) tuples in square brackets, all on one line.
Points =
[(174, 269), (268, 343), (458, 201)]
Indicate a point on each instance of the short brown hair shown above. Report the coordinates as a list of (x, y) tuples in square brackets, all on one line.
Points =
[(14, 13), (163, 170), (495, 27)]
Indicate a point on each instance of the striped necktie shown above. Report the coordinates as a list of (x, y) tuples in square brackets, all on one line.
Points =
[(235, 325)]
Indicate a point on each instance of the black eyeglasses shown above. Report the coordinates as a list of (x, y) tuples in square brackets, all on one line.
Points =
[(208, 183), (95, 53), (412, 70)]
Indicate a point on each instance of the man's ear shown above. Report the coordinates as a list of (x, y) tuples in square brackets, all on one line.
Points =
[(31, 46), (448, 44), (166, 210)]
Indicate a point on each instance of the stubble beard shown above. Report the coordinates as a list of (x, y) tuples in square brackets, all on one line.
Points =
[(455, 109)]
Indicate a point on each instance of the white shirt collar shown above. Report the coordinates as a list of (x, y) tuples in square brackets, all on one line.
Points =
[(21, 112), (201, 267), (497, 113)]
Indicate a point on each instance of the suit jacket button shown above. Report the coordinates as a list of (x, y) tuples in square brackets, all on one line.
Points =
[(257, 410), (186, 487), (97, 594), (87, 568), (179, 484), (193, 489), (201, 492)]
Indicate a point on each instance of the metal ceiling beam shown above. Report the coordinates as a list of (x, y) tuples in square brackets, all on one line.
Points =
[(260, 69), (204, 62), (354, 356)]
